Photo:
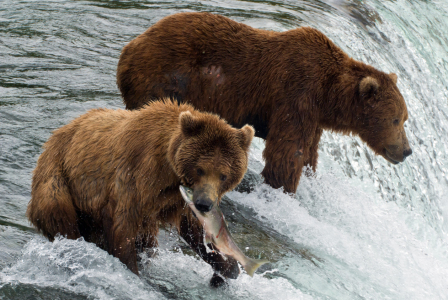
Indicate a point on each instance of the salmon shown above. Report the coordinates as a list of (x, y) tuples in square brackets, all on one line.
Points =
[(217, 233)]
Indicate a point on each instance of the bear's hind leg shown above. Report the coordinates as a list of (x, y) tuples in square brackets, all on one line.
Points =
[(51, 207)]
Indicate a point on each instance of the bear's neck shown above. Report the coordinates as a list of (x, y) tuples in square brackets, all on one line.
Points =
[(340, 107)]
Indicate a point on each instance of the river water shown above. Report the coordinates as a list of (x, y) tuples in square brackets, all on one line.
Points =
[(360, 228)]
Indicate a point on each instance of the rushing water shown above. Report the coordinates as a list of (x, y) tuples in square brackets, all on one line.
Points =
[(359, 229)]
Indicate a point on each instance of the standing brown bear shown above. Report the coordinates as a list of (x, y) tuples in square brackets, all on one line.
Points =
[(112, 176), (289, 85)]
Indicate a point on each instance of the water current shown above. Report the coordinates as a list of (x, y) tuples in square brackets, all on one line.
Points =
[(360, 228)]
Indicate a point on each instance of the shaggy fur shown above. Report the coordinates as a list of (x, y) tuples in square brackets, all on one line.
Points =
[(112, 176), (289, 85)]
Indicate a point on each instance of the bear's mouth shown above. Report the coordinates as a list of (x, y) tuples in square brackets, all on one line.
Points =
[(388, 157)]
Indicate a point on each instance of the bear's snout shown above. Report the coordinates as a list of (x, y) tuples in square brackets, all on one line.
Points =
[(407, 152), (203, 198), (203, 204)]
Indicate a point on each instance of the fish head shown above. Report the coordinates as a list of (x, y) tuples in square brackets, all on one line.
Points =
[(202, 198), (186, 193)]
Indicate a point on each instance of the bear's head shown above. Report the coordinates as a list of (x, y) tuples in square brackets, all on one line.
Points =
[(209, 156), (383, 115)]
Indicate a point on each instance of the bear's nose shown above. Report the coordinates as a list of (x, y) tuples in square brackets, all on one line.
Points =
[(203, 205), (407, 152)]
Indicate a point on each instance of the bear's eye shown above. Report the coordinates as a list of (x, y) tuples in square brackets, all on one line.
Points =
[(200, 172), (223, 177), (396, 122)]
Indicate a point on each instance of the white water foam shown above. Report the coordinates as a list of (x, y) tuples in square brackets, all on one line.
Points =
[(76, 266), (363, 246), (83, 268)]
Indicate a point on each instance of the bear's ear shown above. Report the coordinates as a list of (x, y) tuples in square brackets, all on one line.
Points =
[(394, 77), (368, 86), (246, 135), (189, 124)]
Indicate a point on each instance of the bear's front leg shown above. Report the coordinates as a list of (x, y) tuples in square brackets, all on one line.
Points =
[(191, 231), (312, 153), (126, 252), (121, 242), (287, 149)]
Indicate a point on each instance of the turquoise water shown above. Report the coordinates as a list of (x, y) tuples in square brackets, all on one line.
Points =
[(359, 229)]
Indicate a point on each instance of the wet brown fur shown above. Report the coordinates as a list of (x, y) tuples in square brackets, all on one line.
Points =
[(289, 85), (112, 176)]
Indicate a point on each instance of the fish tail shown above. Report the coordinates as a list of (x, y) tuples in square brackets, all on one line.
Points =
[(253, 264)]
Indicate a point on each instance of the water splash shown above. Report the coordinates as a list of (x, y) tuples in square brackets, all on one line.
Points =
[(76, 266)]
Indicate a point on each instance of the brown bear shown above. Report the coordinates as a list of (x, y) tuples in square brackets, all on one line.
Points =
[(112, 176), (289, 85)]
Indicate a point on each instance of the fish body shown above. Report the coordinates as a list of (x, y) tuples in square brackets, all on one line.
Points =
[(217, 233)]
